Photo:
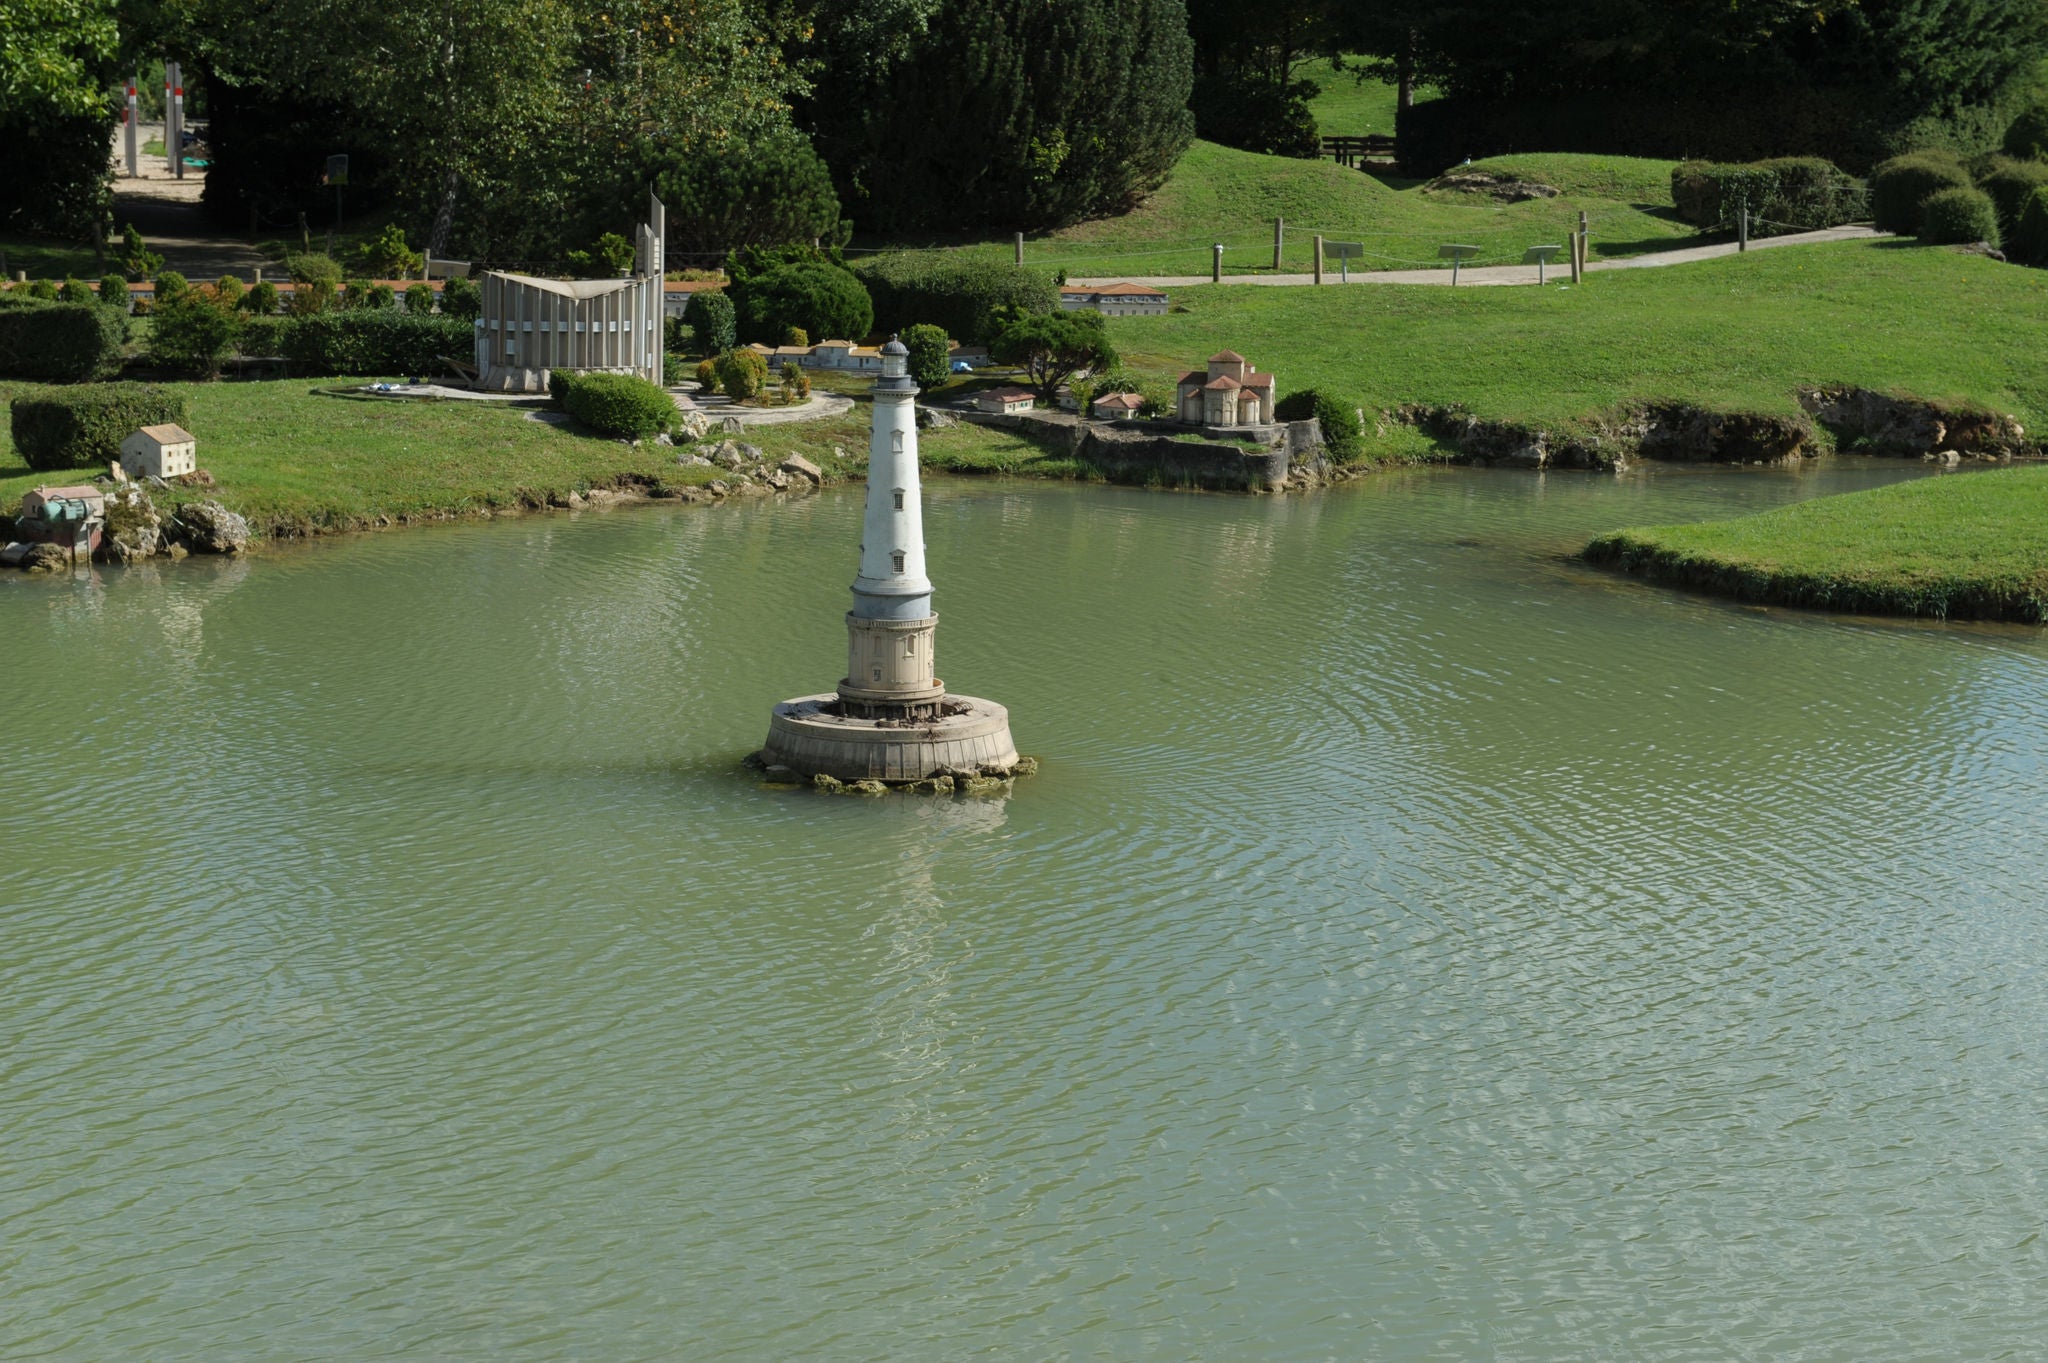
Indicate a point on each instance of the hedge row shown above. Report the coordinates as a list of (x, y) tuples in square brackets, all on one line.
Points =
[(60, 342), (79, 427), (960, 294), (373, 341), (1849, 127), (1784, 194), (625, 406)]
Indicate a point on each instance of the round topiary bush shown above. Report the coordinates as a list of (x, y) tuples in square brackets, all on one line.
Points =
[(707, 375), (2027, 137), (1343, 436), (1901, 185), (2029, 239), (1959, 216), (2009, 182), (742, 374), (818, 298)]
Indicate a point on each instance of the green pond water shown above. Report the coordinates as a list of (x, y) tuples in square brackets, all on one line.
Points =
[(1415, 947)]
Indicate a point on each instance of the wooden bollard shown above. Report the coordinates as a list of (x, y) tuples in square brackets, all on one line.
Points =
[(1319, 260)]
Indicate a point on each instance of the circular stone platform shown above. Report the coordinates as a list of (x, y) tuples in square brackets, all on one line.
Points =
[(808, 738)]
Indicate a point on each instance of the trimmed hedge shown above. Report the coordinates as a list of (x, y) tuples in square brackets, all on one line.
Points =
[(621, 405), (930, 354), (815, 297), (1853, 128), (79, 427), (2010, 183), (373, 341), (1901, 185), (1958, 217), (742, 374), (1786, 194), (262, 335), (961, 294), (61, 342), (1343, 434), (2029, 240), (2027, 136)]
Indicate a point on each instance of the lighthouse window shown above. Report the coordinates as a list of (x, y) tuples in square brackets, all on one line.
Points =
[(897, 559), (899, 499), (896, 441)]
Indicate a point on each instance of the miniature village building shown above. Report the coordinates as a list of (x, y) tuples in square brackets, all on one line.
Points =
[(1003, 401), (529, 326), (72, 517), (1115, 300), (1231, 393), (160, 452), (1113, 405)]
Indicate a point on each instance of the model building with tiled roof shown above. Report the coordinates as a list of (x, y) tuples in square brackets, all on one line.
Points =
[(1230, 393)]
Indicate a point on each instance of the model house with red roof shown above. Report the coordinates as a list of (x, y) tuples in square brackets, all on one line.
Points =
[(1231, 393)]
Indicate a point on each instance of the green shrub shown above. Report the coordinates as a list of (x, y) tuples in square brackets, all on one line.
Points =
[(79, 427), (622, 405), (817, 298), (930, 354), (262, 334), (461, 298), (707, 375), (74, 291), (114, 292), (386, 255), (42, 290), (230, 289), (558, 386), (355, 293), (169, 285), (1054, 347), (2027, 136), (713, 323), (61, 342), (964, 295), (372, 342), (419, 299), (1787, 194), (742, 374), (261, 300), (192, 333), (2010, 183), (2029, 238), (381, 296), (315, 277), (1343, 435), (138, 262), (1959, 216), (1901, 185)]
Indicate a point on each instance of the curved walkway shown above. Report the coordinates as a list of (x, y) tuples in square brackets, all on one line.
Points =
[(715, 408), (1504, 274)]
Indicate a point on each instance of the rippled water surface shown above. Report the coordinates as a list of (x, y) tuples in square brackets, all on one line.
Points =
[(1414, 948)]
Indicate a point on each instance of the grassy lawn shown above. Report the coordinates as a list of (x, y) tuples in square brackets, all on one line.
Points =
[(1971, 545), (296, 459), (1217, 194), (47, 257), (1732, 334), (1345, 106)]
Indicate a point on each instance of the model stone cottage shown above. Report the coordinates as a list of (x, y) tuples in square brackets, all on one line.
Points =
[(1232, 393), (160, 452)]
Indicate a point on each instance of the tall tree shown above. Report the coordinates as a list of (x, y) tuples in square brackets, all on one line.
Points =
[(1248, 91), (58, 60)]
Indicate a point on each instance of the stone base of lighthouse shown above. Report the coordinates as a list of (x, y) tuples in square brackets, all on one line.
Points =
[(817, 736)]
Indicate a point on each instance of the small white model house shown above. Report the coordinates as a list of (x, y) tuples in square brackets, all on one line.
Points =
[(159, 452), (1005, 400)]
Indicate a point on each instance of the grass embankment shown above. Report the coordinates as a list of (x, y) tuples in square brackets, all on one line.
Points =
[(295, 459), (1738, 334), (48, 258), (1968, 546), (1217, 194), (1346, 106)]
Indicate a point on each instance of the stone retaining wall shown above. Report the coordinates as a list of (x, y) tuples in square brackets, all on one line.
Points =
[(1137, 452)]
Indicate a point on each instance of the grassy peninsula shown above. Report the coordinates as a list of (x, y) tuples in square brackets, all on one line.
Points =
[(1966, 546)]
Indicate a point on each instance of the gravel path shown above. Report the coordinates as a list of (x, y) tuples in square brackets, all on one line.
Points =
[(1504, 274)]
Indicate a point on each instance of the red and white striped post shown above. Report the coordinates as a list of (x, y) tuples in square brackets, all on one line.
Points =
[(174, 116), (128, 117)]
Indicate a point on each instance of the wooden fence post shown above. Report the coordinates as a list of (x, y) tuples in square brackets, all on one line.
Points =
[(1279, 231), (1319, 260), (1020, 248)]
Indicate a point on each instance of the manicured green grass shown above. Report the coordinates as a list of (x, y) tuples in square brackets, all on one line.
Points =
[(1345, 106), (47, 257), (296, 459), (1968, 546), (1217, 194), (1736, 333)]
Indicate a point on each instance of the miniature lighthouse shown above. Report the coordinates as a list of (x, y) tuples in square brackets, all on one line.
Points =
[(891, 719)]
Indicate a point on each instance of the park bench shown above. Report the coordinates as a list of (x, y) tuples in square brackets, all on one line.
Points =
[(1351, 151)]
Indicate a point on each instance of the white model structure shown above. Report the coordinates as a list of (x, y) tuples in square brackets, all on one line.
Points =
[(891, 719), (160, 452)]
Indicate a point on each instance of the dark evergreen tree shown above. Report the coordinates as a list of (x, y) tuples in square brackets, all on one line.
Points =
[(1014, 115), (1247, 91)]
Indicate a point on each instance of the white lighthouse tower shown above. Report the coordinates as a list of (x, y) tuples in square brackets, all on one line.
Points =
[(890, 630), (891, 719)]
